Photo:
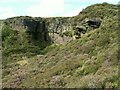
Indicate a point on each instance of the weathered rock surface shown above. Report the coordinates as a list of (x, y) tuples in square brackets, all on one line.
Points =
[(34, 27), (50, 29)]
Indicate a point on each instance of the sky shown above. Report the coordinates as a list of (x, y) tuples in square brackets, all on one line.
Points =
[(45, 8)]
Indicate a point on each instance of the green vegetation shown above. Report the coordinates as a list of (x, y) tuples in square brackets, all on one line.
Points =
[(17, 45), (67, 33), (88, 62)]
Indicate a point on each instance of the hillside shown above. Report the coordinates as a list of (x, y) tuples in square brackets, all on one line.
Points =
[(70, 52)]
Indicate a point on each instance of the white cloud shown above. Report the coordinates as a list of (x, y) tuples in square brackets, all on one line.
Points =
[(13, 1), (92, 1), (73, 12), (6, 12), (46, 8)]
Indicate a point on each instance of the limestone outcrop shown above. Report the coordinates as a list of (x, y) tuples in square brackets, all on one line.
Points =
[(46, 29)]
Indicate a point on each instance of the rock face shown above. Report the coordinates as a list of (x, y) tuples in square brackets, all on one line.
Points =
[(58, 25), (34, 27), (50, 29)]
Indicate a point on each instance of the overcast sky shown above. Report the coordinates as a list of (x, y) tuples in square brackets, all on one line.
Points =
[(45, 8)]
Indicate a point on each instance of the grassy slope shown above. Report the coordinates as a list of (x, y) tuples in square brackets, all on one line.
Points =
[(90, 61)]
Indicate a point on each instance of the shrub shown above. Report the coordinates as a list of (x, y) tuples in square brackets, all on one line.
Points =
[(6, 32)]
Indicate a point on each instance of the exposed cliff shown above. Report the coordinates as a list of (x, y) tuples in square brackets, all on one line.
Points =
[(57, 30)]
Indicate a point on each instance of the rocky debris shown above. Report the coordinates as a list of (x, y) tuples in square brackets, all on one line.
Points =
[(59, 39)]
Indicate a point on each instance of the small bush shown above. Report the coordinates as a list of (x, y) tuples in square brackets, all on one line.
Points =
[(6, 32)]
